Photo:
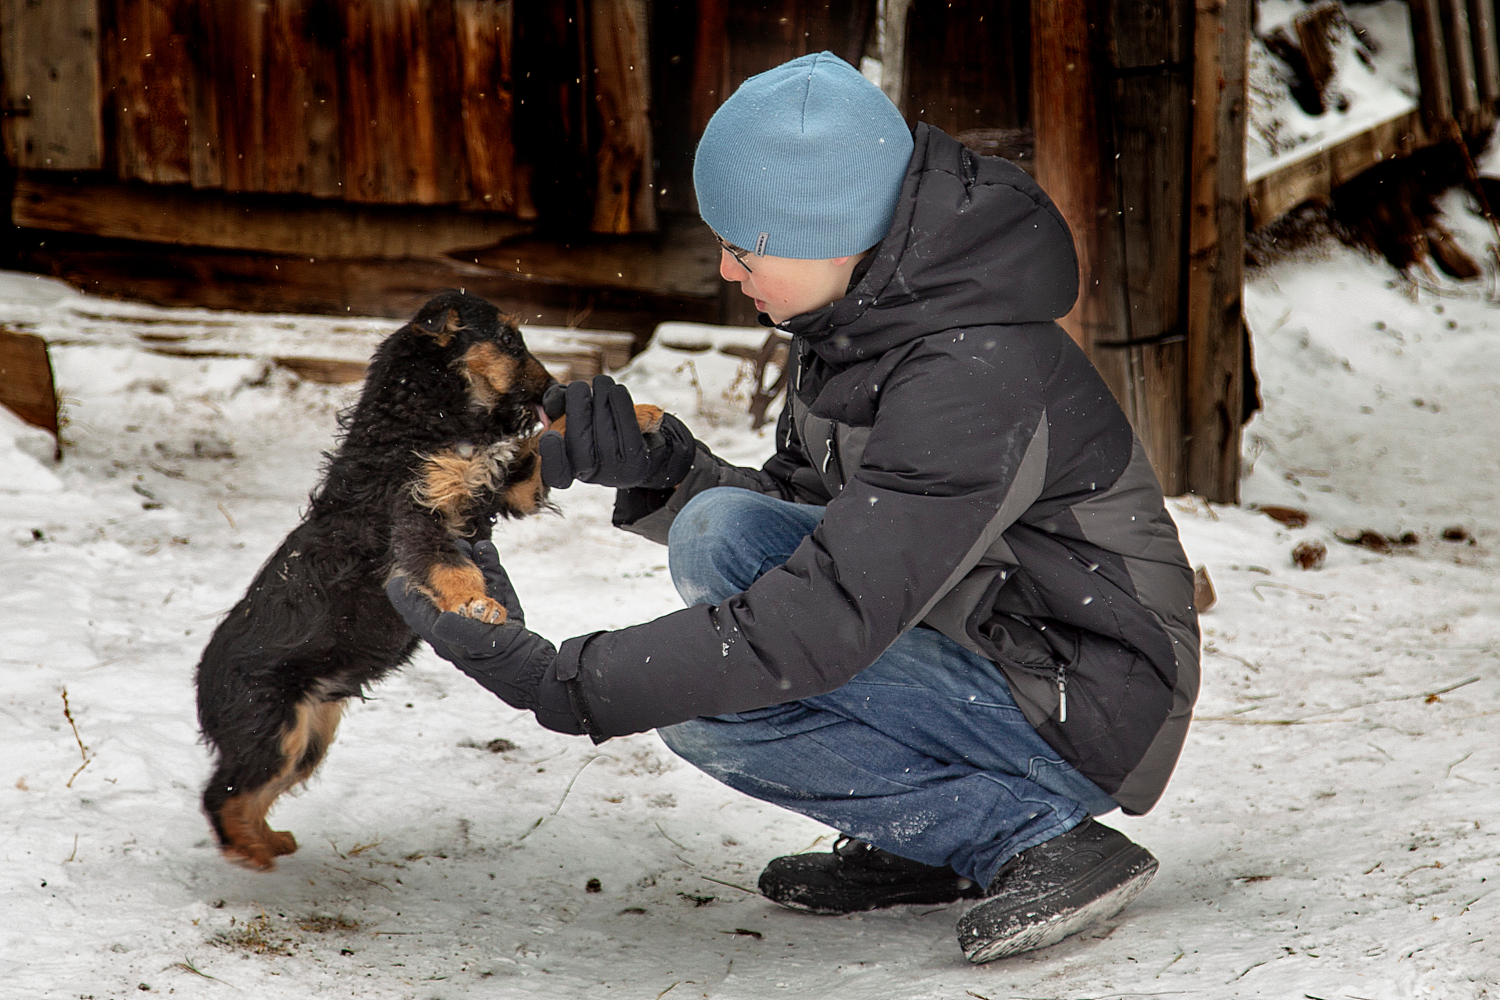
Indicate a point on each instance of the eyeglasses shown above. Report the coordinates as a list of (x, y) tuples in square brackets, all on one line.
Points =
[(738, 253)]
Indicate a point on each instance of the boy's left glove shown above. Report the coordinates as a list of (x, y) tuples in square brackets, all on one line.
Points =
[(516, 664)]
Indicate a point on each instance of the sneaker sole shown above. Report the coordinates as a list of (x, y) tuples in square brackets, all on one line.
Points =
[(1028, 931), (915, 896)]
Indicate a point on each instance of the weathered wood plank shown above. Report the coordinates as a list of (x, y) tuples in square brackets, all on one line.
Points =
[(1151, 128), (675, 95), (49, 58), (1432, 60), (554, 158), (1486, 50), (235, 37), (205, 143), (680, 259), (393, 87), (149, 76), (1315, 176), (1071, 153), (484, 33), (624, 200), (967, 64), (301, 100), (1146, 33), (893, 63), (1314, 27), (1215, 375), (710, 85), (274, 224), (1462, 82), (26, 382), (265, 283)]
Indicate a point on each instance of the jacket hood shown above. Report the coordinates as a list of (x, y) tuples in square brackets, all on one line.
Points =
[(974, 242)]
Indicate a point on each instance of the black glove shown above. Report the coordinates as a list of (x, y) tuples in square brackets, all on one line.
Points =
[(516, 664), (603, 443)]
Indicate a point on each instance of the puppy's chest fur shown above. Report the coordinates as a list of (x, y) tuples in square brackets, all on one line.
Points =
[(465, 481)]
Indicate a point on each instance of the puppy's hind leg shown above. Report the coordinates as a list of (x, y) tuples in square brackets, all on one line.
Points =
[(240, 815)]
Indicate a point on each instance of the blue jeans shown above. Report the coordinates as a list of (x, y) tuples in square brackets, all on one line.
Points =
[(923, 754)]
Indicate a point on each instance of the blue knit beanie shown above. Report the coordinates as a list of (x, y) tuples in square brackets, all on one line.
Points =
[(805, 160)]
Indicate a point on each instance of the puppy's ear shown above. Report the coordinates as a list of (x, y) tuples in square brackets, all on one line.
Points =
[(441, 325)]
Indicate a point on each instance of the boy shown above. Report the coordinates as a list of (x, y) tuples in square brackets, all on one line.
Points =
[(950, 617)]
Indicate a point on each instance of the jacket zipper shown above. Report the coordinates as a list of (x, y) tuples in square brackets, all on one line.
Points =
[(1062, 695)]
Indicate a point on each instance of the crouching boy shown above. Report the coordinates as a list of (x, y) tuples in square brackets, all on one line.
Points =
[(950, 617)]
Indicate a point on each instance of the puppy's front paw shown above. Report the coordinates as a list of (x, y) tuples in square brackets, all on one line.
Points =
[(485, 609)]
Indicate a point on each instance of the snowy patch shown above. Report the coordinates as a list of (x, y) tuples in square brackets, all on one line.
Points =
[(1374, 80)]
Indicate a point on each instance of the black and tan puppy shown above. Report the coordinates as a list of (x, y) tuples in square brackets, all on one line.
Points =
[(442, 441)]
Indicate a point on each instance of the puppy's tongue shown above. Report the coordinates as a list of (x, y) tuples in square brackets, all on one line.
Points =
[(541, 415)]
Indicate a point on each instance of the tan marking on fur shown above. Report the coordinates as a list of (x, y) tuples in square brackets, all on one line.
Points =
[(449, 482), (647, 417), (491, 373), (250, 840), (527, 495), (460, 589)]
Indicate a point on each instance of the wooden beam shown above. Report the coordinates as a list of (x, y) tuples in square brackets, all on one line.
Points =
[(305, 227), (219, 279), (49, 59), (1316, 175), (1215, 327)]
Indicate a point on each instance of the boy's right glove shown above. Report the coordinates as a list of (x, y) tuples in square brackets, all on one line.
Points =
[(510, 660), (604, 444)]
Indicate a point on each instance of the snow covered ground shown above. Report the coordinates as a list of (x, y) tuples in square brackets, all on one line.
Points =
[(1374, 80), (1333, 830)]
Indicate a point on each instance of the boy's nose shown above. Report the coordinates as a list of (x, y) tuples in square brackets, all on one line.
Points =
[(731, 269)]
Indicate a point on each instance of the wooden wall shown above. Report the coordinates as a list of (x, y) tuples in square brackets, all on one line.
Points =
[(491, 106)]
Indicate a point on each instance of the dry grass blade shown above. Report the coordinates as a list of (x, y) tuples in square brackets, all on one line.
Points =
[(186, 965), (82, 750)]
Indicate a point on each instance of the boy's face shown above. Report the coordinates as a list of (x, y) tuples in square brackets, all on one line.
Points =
[(783, 287)]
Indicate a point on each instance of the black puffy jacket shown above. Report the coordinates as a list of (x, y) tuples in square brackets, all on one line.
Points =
[(980, 479)]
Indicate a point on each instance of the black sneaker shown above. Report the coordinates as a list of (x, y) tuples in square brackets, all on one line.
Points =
[(1055, 889), (857, 877)]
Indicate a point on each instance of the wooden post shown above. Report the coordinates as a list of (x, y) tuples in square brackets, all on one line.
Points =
[(1149, 50), (1486, 57), (1432, 61), (893, 50), (710, 62), (1215, 331), (624, 197), (1070, 157), (49, 58), (1460, 49)]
